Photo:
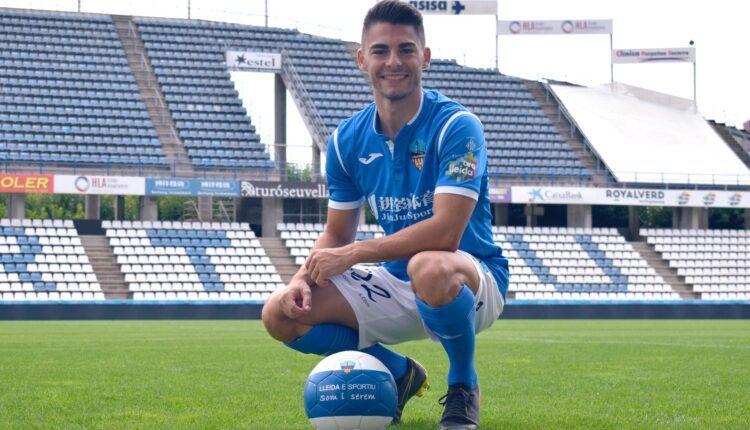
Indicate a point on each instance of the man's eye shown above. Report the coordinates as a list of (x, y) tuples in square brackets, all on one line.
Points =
[(378, 52)]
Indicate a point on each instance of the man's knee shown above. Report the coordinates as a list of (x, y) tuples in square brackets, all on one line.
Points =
[(433, 278), (278, 325)]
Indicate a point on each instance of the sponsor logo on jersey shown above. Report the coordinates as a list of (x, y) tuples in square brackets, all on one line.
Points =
[(463, 168), (371, 158)]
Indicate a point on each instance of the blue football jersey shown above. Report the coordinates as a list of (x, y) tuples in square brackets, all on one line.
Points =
[(440, 150)]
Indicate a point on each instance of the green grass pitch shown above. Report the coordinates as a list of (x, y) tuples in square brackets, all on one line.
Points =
[(230, 374)]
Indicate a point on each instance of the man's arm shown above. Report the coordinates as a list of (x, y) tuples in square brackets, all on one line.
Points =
[(340, 230), (441, 232), (296, 299)]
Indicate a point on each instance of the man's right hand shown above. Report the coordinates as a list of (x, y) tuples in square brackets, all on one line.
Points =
[(296, 298)]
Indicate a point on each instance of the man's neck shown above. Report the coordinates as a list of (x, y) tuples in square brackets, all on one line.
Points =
[(393, 115)]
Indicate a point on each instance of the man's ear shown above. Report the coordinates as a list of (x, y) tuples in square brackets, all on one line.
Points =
[(361, 60), (427, 58)]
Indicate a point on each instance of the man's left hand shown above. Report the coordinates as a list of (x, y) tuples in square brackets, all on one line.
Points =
[(324, 263)]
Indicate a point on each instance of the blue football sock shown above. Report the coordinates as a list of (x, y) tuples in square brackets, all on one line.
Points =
[(454, 325), (395, 362), (327, 339)]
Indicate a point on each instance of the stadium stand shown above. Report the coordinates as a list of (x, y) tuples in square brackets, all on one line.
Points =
[(43, 260), (68, 97), (191, 261), (188, 57), (716, 263), (299, 238), (545, 263), (742, 137), (558, 263), (738, 140), (521, 139), (188, 60)]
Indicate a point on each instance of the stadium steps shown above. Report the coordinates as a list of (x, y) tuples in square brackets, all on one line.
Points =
[(105, 266), (733, 144), (655, 260), (152, 97), (280, 258), (575, 142)]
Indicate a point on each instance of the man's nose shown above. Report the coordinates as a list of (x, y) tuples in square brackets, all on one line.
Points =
[(393, 59)]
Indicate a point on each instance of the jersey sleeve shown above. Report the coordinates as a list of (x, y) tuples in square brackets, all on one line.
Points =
[(343, 195), (463, 156)]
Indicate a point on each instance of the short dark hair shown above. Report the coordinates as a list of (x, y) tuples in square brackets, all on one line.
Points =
[(394, 12)]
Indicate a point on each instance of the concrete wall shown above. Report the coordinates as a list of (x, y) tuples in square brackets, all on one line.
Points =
[(149, 208), (120, 208), (579, 216), (280, 148), (634, 223), (206, 208), (93, 206), (16, 205), (690, 218), (501, 213), (273, 212)]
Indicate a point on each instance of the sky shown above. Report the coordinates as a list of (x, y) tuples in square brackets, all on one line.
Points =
[(718, 28)]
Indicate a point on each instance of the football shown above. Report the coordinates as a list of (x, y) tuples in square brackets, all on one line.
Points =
[(350, 390)]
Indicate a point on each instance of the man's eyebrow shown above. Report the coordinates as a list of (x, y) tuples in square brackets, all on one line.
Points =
[(385, 46)]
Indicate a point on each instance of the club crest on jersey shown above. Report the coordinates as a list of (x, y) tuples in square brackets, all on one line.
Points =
[(416, 151), (463, 168), (347, 366)]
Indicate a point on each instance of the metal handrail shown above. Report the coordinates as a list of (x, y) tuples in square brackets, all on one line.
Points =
[(223, 212), (193, 207), (314, 121)]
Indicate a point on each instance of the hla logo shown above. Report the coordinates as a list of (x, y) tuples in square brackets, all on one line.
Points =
[(82, 184), (433, 5)]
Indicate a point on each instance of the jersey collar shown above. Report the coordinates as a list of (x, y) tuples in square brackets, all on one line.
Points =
[(409, 123)]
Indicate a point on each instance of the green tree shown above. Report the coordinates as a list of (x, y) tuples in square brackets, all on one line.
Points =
[(55, 206), (3, 206), (171, 208), (299, 173), (655, 216), (731, 218)]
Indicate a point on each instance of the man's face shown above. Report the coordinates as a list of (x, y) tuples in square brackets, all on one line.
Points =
[(393, 57)]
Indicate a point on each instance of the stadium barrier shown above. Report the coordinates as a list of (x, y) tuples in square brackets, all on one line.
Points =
[(125, 310)]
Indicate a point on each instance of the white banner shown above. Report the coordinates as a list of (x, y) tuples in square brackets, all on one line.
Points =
[(258, 61), (462, 7), (88, 184), (630, 197), (623, 56), (568, 26)]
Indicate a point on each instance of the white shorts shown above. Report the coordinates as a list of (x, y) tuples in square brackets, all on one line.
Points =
[(386, 310)]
